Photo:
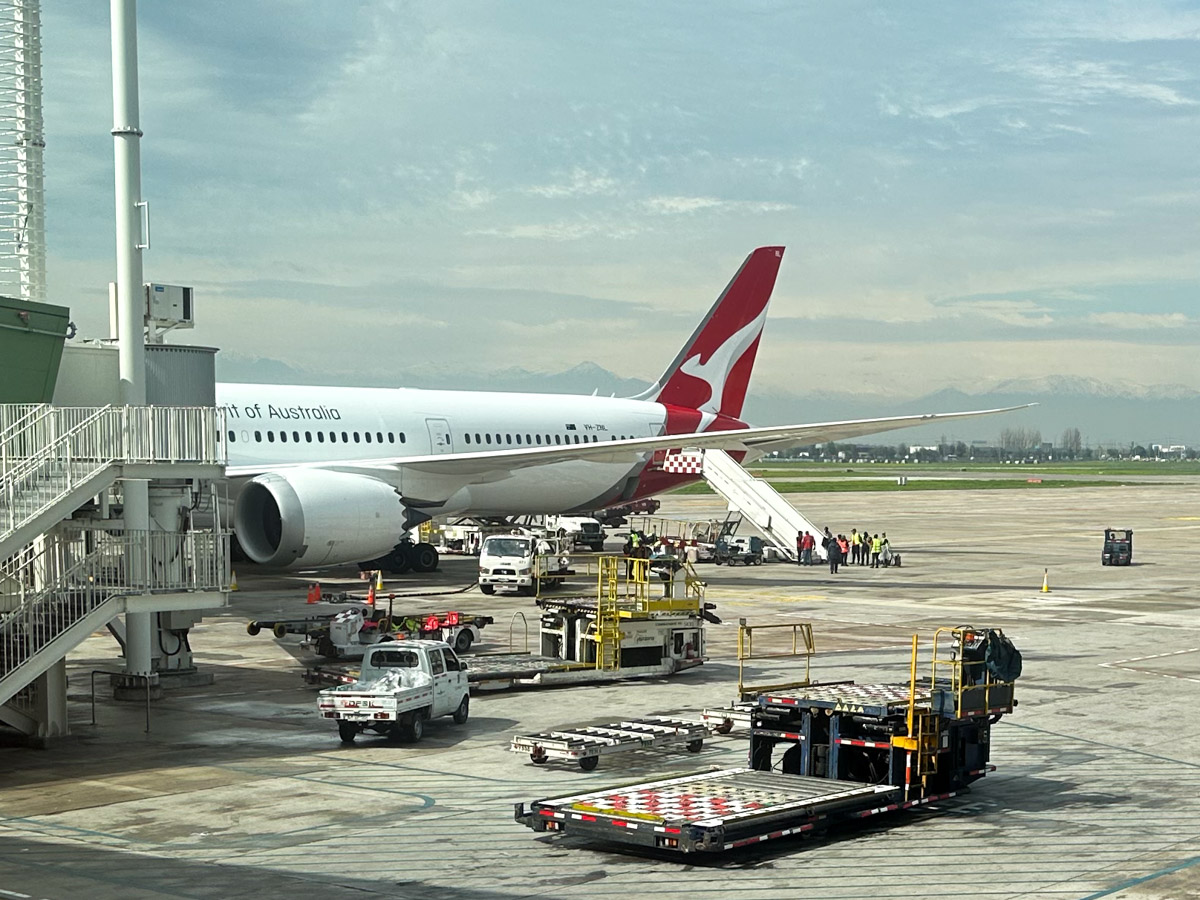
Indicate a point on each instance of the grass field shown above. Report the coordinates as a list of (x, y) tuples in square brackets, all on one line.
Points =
[(830, 485), (841, 470)]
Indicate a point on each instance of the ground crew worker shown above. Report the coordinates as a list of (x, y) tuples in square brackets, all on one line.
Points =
[(834, 551), (806, 548), (800, 547), (856, 546), (876, 549)]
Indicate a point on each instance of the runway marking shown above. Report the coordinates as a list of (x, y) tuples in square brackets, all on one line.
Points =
[(4, 893), (1122, 664)]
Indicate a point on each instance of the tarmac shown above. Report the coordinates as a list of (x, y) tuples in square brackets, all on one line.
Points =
[(240, 790)]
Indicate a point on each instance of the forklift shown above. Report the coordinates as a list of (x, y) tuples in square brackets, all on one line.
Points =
[(1118, 547)]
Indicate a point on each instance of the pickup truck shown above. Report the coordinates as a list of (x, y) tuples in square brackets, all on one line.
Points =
[(401, 684)]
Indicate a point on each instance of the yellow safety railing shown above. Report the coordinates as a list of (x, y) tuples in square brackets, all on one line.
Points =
[(802, 645), (964, 673), (608, 618)]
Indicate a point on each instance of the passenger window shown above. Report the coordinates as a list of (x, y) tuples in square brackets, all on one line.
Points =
[(283, 437), (489, 438), (576, 438), (477, 440), (258, 435), (452, 664), (295, 437), (333, 437), (402, 437), (379, 437), (539, 438), (436, 666), (270, 437), (308, 437), (396, 659), (508, 438), (356, 437), (518, 439), (497, 439), (367, 435), (528, 439), (345, 438), (232, 437), (391, 438), (320, 437), (468, 437)]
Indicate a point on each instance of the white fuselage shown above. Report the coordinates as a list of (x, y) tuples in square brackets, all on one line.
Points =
[(279, 426)]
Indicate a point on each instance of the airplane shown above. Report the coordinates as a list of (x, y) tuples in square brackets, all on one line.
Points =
[(326, 476)]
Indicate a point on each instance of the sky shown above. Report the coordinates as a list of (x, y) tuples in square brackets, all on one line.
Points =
[(969, 192)]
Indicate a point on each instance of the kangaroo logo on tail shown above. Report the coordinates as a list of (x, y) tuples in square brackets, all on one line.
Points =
[(712, 372)]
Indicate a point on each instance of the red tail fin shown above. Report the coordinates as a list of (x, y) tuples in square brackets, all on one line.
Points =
[(712, 371)]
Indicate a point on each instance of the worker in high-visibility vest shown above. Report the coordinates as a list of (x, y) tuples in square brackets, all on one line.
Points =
[(856, 546), (876, 549)]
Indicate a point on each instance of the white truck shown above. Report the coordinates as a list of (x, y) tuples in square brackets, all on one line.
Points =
[(578, 531), (400, 685), (522, 561)]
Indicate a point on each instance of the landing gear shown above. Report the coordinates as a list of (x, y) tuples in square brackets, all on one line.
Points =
[(399, 561), (423, 557)]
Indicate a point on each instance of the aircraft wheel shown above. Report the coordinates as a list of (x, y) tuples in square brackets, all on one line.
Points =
[(399, 561), (424, 558)]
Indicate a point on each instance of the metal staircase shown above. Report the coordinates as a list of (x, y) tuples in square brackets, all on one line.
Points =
[(760, 504), (62, 578), (53, 459), (56, 595)]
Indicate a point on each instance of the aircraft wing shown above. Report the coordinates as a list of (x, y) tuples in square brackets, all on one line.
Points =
[(492, 465)]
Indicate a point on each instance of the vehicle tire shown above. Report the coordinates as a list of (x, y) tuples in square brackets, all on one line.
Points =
[(589, 762), (725, 727), (416, 726), (462, 643), (716, 561), (538, 756), (424, 558), (347, 731), (399, 561), (326, 647), (695, 746), (488, 589), (280, 630), (464, 709), (254, 628)]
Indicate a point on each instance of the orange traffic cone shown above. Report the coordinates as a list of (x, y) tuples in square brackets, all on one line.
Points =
[(371, 595), (1045, 581)]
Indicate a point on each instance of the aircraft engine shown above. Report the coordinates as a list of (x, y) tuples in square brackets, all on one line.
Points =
[(314, 517)]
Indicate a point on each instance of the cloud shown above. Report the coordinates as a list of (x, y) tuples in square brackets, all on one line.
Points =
[(1138, 321)]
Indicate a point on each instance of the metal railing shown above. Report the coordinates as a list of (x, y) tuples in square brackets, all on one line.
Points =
[(46, 592), (801, 645), (47, 452)]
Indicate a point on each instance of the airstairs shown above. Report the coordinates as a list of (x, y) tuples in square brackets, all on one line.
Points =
[(64, 576), (759, 503)]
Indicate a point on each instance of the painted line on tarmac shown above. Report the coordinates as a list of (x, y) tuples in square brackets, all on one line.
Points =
[(1134, 882), (1123, 664)]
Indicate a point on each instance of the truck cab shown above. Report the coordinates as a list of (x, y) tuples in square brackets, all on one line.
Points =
[(578, 531), (522, 561)]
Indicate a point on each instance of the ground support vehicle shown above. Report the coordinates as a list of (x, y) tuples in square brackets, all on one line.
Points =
[(400, 686), (523, 561), (637, 626), (848, 752), (577, 531), (733, 550), (1118, 547), (585, 744), (346, 632)]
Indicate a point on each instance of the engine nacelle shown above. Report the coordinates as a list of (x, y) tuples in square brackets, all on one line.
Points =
[(314, 517)]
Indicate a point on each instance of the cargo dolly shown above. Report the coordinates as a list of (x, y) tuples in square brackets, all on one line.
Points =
[(586, 744), (820, 756)]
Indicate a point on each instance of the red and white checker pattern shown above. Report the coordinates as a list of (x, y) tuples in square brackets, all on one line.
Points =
[(688, 462)]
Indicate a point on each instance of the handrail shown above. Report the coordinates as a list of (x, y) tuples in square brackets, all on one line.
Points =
[(135, 562), (801, 634)]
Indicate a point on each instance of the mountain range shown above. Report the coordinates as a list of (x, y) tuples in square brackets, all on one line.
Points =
[(1106, 413)]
